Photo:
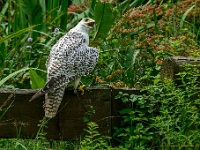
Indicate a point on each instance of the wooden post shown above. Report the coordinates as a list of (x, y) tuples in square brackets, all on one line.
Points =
[(173, 65)]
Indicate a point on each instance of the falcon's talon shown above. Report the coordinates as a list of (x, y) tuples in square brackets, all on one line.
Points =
[(81, 88)]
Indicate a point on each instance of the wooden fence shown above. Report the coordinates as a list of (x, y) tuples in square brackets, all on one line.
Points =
[(22, 118)]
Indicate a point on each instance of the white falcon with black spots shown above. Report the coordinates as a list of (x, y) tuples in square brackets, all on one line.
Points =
[(69, 59)]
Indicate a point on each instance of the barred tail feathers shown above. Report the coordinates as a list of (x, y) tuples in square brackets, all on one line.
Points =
[(53, 101)]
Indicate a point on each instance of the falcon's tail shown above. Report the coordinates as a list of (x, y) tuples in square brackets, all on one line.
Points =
[(36, 95), (49, 86), (52, 101)]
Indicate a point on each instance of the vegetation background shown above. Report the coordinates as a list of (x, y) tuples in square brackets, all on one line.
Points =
[(133, 38)]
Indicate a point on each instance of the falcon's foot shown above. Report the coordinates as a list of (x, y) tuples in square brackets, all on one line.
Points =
[(80, 88)]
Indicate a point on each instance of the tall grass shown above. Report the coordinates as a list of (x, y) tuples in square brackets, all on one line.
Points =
[(21, 19)]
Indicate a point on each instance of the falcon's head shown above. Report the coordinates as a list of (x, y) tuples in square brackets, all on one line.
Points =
[(84, 25), (87, 22)]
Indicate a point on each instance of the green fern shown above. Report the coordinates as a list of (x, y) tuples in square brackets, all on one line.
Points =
[(93, 139)]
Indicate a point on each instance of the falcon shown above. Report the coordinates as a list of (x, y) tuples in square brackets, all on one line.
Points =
[(69, 59)]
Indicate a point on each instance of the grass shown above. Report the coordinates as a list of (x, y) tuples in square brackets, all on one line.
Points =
[(31, 144)]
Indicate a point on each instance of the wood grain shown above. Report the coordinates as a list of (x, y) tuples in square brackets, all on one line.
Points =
[(22, 118)]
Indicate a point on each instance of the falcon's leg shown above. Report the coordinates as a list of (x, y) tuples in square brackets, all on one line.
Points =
[(80, 88), (76, 82)]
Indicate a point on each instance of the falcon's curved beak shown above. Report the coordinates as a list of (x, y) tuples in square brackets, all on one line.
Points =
[(90, 23)]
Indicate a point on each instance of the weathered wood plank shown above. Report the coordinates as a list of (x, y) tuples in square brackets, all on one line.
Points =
[(71, 117), (173, 65), (23, 116)]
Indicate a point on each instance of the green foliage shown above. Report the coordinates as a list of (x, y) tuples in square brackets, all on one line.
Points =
[(36, 81), (12, 75), (88, 114), (146, 35), (135, 131), (18, 33), (93, 139), (104, 18), (33, 10), (28, 19), (63, 19), (184, 16), (41, 134), (28, 144), (166, 115)]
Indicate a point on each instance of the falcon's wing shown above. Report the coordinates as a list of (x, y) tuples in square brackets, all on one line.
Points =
[(92, 59), (61, 61), (75, 65), (63, 51), (85, 60)]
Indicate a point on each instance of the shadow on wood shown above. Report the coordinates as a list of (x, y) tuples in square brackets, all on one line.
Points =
[(22, 118)]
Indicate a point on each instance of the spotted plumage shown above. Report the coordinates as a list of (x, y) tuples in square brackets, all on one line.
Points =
[(69, 59)]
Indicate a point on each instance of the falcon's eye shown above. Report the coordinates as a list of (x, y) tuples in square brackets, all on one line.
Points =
[(86, 20)]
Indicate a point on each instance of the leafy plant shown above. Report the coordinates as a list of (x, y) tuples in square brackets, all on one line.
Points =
[(166, 114), (104, 18), (135, 131), (143, 36), (93, 139), (36, 81)]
